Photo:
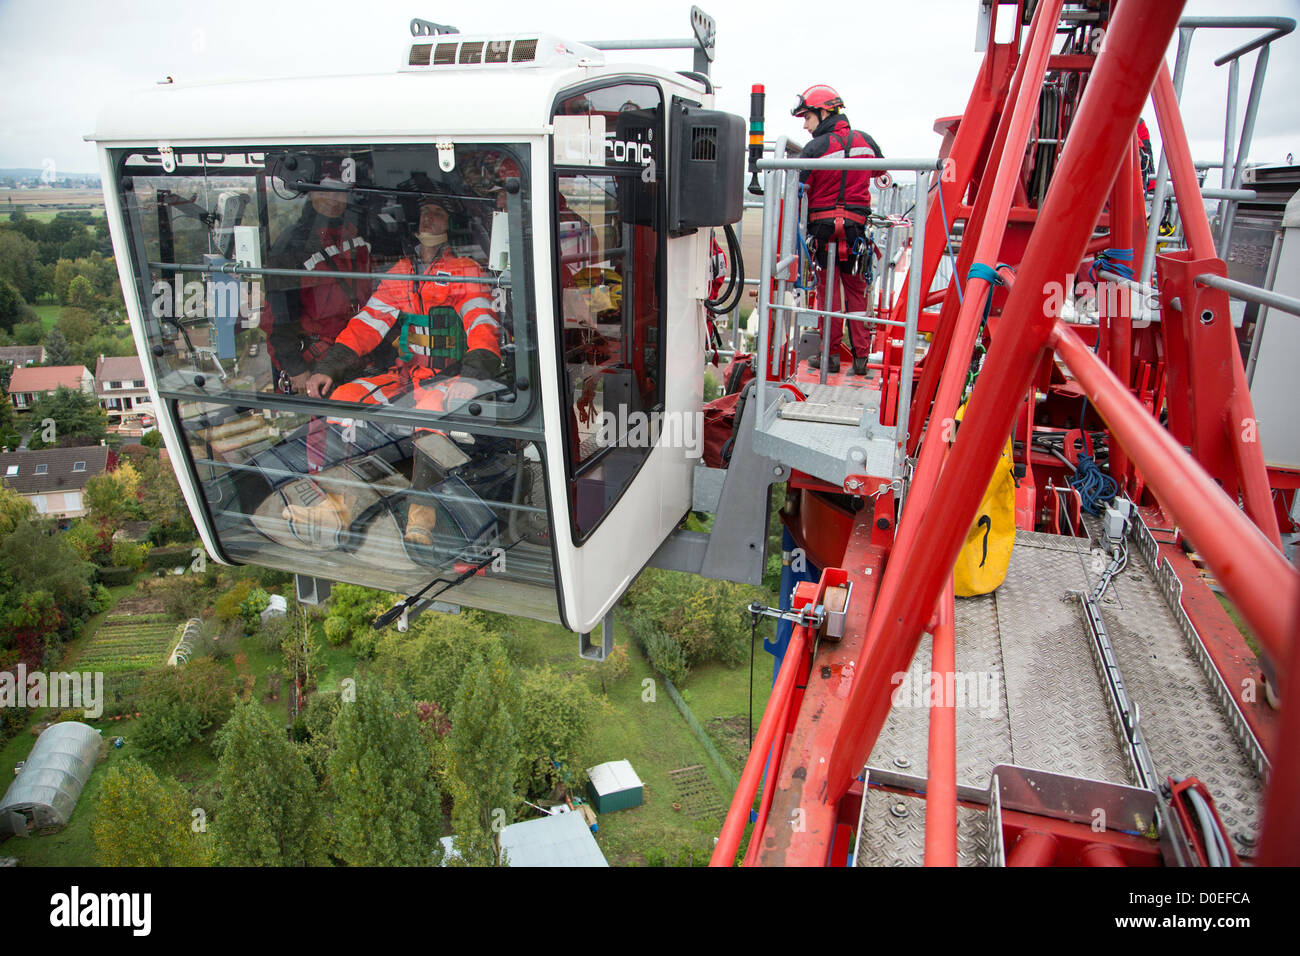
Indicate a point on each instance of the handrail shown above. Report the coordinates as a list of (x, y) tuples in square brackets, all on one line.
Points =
[(733, 829), (1260, 581), (1278, 27), (879, 165), (1251, 293)]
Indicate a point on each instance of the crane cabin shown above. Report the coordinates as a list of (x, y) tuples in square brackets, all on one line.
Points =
[(507, 236)]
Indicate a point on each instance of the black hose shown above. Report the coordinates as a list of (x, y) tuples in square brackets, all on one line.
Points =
[(736, 282)]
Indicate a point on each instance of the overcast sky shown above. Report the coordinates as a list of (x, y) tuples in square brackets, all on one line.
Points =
[(64, 58)]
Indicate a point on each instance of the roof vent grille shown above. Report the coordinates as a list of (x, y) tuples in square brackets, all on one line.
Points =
[(525, 51), (444, 54), (420, 54), (471, 52)]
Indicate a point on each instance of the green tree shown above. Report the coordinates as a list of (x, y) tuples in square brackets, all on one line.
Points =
[(113, 497), (141, 820), (386, 808), (179, 704), (76, 324), (429, 660), (613, 668), (555, 716), (13, 309), (75, 414), (29, 333), (19, 262), (38, 559), (483, 759), (14, 510), (81, 296), (269, 815), (57, 349)]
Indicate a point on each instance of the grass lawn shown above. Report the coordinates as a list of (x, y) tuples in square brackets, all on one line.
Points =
[(74, 845), (49, 315), (654, 737)]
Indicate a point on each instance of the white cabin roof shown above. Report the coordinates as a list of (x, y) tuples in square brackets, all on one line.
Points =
[(456, 101)]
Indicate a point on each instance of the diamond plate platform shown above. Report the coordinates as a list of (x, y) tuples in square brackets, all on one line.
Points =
[(887, 839), (1027, 638), (1185, 727), (1053, 711), (833, 404)]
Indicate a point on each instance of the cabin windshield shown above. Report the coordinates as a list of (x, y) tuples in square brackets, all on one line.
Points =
[(347, 352)]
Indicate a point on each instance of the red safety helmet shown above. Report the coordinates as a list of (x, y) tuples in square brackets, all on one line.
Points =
[(819, 97)]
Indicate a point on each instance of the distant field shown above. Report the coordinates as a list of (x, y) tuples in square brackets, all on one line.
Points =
[(37, 198)]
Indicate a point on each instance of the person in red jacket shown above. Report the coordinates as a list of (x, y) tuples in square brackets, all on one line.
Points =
[(306, 314), (839, 202), (447, 339)]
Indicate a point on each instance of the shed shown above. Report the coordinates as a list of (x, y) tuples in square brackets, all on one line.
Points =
[(559, 840), (45, 792), (614, 786), (277, 608)]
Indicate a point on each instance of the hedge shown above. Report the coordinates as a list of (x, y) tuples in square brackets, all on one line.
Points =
[(168, 558), (113, 577)]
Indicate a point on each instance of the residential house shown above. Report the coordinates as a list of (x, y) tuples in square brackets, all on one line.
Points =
[(54, 479), (20, 355), (119, 383), (30, 383)]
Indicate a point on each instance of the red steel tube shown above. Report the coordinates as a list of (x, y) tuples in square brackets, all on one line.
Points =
[(733, 828), (1182, 169), (1132, 53), (1034, 848), (990, 222), (1099, 854), (941, 788), (953, 377), (1258, 578), (769, 786)]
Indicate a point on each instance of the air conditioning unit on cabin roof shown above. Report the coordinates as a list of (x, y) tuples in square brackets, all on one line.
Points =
[(454, 51)]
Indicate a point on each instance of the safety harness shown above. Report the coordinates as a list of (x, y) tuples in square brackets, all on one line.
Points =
[(839, 214), (440, 335)]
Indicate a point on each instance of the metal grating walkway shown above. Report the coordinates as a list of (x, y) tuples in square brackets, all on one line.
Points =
[(1029, 694)]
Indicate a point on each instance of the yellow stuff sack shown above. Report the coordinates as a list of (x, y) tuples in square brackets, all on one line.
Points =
[(985, 556)]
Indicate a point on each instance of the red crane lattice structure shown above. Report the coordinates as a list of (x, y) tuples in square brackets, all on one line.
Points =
[(1196, 469)]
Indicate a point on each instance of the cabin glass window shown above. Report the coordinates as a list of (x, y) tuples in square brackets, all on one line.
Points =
[(371, 502), (320, 273), (608, 232)]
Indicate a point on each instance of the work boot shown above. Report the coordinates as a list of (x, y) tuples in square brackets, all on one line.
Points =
[(816, 363), (420, 521), (324, 523), (859, 366)]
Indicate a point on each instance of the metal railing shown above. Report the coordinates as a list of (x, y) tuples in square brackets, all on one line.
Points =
[(1231, 192), (778, 321)]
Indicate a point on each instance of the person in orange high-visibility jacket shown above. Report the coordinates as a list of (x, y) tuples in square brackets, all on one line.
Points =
[(448, 338), (439, 323)]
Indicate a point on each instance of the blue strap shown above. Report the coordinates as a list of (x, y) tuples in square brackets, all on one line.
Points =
[(1112, 260), (980, 271)]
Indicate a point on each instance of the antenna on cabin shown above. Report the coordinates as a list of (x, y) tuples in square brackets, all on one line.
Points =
[(427, 28)]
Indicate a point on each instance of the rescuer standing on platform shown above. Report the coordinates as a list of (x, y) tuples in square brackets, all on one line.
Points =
[(839, 202)]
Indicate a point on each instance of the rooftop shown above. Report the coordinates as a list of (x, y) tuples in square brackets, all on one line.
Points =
[(52, 469), (47, 379)]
